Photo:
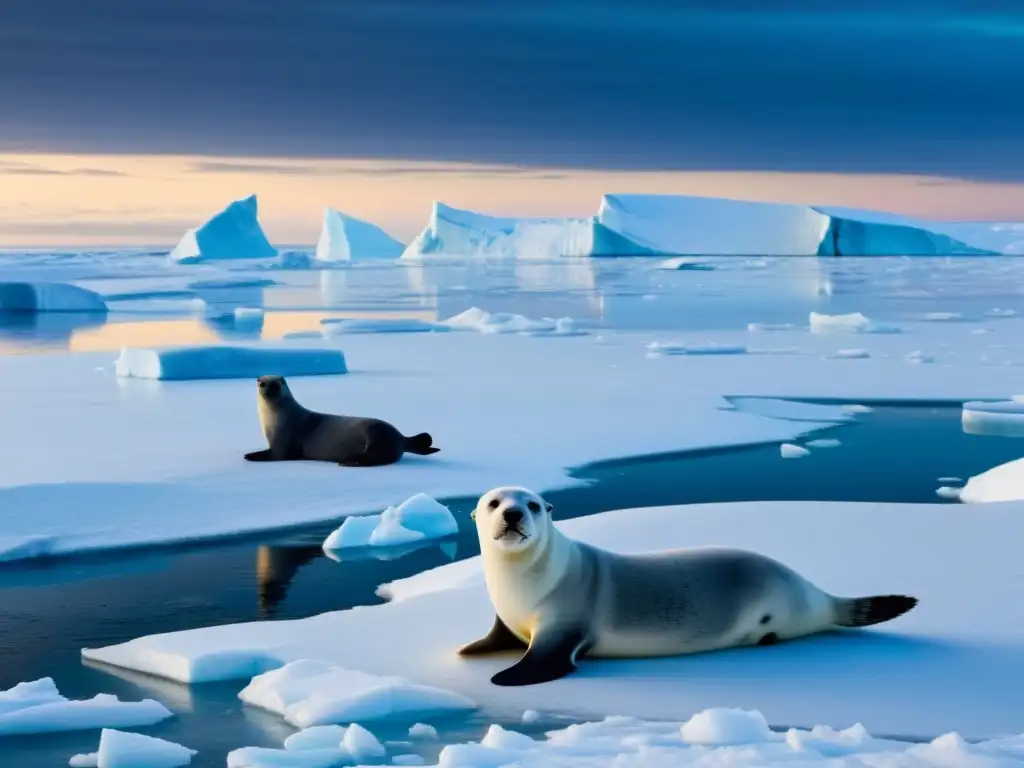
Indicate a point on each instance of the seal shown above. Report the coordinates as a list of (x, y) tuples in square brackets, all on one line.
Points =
[(294, 433), (559, 599)]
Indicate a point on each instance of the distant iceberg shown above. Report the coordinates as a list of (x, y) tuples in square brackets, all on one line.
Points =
[(454, 232), (234, 233), (344, 238)]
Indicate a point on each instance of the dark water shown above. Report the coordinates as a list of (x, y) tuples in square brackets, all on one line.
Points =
[(49, 611)]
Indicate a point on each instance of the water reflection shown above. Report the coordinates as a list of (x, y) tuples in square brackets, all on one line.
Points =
[(275, 569), (23, 331)]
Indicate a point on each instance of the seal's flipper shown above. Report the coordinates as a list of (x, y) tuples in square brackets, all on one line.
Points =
[(500, 638), (866, 611), (264, 455), (548, 658)]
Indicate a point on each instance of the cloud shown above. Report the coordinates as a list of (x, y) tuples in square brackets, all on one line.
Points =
[(311, 169), (19, 168)]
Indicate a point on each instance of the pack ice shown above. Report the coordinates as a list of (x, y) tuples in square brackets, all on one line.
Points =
[(344, 238), (234, 233)]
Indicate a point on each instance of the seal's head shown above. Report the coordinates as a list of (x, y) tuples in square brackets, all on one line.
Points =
[(273, 389), (514, 519)]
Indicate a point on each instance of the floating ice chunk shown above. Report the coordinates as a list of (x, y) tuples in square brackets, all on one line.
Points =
[(307, 693), (338, 327), (760, 327), (726, 727), (824, 442), (234, 233), (849, 354), (917, 356), (317, 737), (423, 731), (90, 760), (686, 263), (947, 492), (1002, 417), (658, 348), (499, 738), (531, 716), (362, 744), (416, 518), (855, 408), (119, 749), (1004, 482), (344, 238), (38, 707), (854, 322), (49, 297), (790, 410), (263, 757), (950, 479), (184, 363), (939, 317), (476, 319), (23, 695), (1000, 313), (791, 451)]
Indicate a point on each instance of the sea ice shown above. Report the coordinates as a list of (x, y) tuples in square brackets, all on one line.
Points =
[(408, 760), (917, 356), (658, 349), (1004, 482), (49, 297), (726, 727), (308, 693), (1002, 417), (333, 327), (790, 451), (316, 737), (790, 410), (850, 354), (186, 363), (759, 327), (345, 238), (853, 322), (264, 757), (234, 233), (824, 442), (37, 707), (476, 319), (947, 492), (417, 518), (120, 749), (422, 731), (686, 263)]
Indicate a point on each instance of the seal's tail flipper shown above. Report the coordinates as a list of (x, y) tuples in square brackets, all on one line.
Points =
[(420, 444), (865, 611)]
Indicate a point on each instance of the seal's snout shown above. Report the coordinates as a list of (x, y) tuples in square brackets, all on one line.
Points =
[(512, 516)]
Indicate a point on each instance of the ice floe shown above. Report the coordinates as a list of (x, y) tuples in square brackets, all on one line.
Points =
[(346, 238), (476, 319), (185, 363), (1001, 483), (49, 297), (120, 749), (233, 233), (791, 451), (340, 327), (1000, 417), (414, 520), (38, 707), (659, 349), (311, 693), (853, 322)]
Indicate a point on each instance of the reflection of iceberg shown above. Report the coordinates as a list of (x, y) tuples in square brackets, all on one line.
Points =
[(47, 329), (344, 238), (234, 233), (453, 232)]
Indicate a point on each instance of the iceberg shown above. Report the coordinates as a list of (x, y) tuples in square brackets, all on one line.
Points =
[(684, 224), (234, 233), (49, 297), (344, 238), (454, 232)]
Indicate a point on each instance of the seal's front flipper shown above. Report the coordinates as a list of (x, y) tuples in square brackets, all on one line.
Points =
[(500, 638), (548, 658), (265, 455)]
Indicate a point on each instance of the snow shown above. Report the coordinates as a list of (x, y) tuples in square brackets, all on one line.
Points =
[(38, 707), (476, 319), (346, 238), (416, 519), (233, 233), (790, 451), (969, 624), (49, 297), (309, 693), (186, 363), (334, 327), (722, 737), (120, 749), (1001, 483), (454, 232)]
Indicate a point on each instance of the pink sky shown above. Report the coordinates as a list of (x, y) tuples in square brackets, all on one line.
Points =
[(126, 200)]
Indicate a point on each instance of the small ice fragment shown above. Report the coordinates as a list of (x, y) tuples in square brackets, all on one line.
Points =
[(824, 442), (726, 727), (917, 356), (850, 354), (687, 263), (756, 327), (854, 408), (362, 744), (852, 322), (942, 316), (531, 716), (1000, 313), (658, 348), (790, 451), (946, 492), (422, 731), (951, 480), (90, 760)]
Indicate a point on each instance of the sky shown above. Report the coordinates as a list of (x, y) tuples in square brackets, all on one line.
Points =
[(124, 121)]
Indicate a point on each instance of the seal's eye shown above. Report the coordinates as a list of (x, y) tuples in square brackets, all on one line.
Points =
[(493, 504), (534, 507)]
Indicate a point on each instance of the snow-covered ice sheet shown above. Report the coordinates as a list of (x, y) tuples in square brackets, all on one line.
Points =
[(345, 238), (121, 749), (38, 707), (416, 519), (920, 675), (143, 461), (49, 297), (233, 233), (308, 693), (187, 363), (1004, 482)]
